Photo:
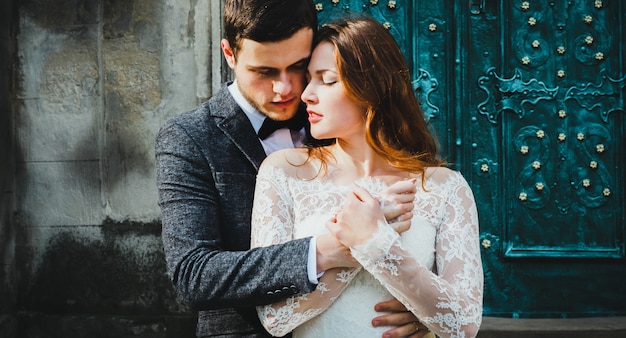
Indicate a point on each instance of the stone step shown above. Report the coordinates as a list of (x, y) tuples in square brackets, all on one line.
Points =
[(594, 327), (492, 327)]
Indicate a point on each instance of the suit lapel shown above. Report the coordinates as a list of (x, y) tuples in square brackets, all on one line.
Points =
[(236, 126)]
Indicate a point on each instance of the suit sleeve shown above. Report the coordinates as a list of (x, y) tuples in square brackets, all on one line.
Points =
[(204, 273)]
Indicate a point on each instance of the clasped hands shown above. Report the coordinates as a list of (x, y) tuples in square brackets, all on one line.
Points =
[(359, 218), (355, 224)]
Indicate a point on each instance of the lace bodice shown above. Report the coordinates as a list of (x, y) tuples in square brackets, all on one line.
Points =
[(434, 268)]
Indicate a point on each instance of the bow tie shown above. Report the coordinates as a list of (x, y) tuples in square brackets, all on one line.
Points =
[(296, 123)]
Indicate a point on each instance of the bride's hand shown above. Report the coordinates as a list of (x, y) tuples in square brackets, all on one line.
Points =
[(358, 219)]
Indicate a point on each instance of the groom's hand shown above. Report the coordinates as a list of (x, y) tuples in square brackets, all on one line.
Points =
[(397, 204), (405, 322), (332, 254)]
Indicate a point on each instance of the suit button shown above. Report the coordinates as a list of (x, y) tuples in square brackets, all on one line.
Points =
[(277, 292), (270, 293)]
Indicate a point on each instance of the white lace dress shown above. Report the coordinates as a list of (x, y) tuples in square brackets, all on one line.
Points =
[(434, 268)]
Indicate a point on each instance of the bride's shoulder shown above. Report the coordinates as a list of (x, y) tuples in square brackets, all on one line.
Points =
[(288, 160), (442, 175)]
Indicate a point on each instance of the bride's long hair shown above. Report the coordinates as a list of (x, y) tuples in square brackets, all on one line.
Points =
[(375, 74)]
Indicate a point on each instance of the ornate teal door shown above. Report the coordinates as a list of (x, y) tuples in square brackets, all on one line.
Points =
[(527, 98)]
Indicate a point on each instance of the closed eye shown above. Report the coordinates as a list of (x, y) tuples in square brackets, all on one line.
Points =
[(299, 66), (265, 72)]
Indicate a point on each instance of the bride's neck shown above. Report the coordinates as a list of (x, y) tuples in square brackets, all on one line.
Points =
[(363, 161)]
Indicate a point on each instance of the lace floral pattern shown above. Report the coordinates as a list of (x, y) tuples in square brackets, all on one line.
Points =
[(434, 268)]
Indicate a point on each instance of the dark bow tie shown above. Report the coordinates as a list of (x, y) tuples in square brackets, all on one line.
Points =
[(296, 123)]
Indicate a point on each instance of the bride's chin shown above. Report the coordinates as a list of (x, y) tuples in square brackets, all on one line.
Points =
[(320, 135), (316, 135)]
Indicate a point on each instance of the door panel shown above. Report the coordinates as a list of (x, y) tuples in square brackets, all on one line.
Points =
[(546, 154), (556, 111)]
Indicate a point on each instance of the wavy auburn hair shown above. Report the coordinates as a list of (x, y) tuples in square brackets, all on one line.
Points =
[(375, 74)]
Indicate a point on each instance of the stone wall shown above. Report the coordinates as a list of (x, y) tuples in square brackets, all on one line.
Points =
[(80, 231), (8, 320)]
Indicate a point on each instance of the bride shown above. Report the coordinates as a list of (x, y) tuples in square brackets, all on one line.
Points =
[(360, 95)]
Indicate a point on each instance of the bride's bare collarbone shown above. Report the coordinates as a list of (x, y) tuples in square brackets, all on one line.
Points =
[(297, 164)]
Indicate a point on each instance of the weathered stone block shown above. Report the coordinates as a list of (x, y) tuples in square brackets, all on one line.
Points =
[(45, 136), (56, 13), (7, 256), (107, 269), (62, 109), (61, 63), (59, 193), (126, 18), (133, 93)]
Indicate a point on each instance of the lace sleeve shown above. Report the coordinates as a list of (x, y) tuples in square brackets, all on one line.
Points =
[(449, 301), (272, 210), (272, 223)]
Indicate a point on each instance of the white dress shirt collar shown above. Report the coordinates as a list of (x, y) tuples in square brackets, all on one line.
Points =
[(280, 139), (255, 117)]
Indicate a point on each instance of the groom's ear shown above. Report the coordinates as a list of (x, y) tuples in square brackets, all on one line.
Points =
[(229, 54)]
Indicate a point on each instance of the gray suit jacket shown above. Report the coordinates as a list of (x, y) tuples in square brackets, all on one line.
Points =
[(207, 160)]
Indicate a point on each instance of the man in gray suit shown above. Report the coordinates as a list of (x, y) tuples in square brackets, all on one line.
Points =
[(207, 160)]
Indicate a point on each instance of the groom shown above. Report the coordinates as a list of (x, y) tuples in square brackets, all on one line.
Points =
[(207, 160)]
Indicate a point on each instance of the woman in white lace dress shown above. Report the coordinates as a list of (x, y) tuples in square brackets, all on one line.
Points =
[(360, 95)]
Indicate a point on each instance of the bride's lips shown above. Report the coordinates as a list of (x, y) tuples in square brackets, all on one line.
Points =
[(313, 116)]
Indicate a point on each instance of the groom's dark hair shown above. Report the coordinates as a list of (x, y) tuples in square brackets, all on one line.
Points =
[(266, 20)]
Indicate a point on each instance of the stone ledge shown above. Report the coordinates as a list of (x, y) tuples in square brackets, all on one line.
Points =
[(39, 325), (492, 327), (592, 327)]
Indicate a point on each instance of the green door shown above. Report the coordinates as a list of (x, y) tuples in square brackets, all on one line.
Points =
[(527, 99)]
